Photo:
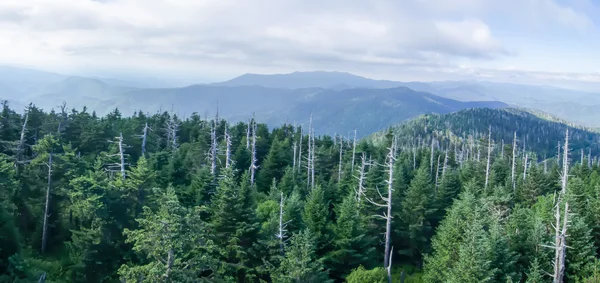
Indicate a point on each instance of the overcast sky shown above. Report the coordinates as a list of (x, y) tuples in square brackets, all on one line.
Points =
[(540, 41)]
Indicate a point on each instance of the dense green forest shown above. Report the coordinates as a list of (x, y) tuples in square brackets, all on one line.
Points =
[(156, 198)]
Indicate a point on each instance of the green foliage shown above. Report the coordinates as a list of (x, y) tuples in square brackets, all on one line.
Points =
[(361, 275), (218, 228)]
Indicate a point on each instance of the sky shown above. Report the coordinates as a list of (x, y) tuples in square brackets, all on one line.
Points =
[(552, 42)]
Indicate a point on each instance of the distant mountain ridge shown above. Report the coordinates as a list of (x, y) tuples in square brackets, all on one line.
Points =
[(339, 101)]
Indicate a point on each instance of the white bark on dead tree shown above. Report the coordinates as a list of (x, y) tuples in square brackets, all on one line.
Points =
[(340, 161), (514, 155), (387, 204), (489, 156), (253, 160), (353, 150), (47, 206)]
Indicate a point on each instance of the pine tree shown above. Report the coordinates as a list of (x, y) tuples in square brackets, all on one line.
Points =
[(300, 264), (316, 218), (535, 273), (580, 256), (350, 244), (417, 209), (169, 241), (234, 226)]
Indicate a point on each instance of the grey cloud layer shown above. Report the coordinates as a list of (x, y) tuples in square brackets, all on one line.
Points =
[(308, 33)]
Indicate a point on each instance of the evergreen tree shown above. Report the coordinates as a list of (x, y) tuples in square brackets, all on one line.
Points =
[(300, 264), (171, 245)]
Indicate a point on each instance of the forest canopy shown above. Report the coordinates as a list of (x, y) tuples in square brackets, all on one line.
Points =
[(160, 198)]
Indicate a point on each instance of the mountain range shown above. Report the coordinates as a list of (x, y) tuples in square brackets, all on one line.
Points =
[(340, 102)]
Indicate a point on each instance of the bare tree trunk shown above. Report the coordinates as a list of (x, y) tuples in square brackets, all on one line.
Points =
[(514, 155), (312, 161), (489, 156), (589, 158), (47, 207), (281, 235), (545, 164), (170, 262), (437, 172), (431, 158), (525, 167), (340, 161), (308, 161), (581, 162), (445, 165), (565, 174), (558, 155), (122, 155), (388, 200), (228, 160), (248, 135), (295, 149), (144, 138), (361, 179), (213, 148), (353, 150), (253, 165), (300, 149)]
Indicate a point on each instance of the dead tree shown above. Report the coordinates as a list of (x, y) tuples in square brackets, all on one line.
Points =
[(300, 149), (282, 228), (445, 165), (560, 233), (295, 149), (248, 135), (21, 145), (514, 155), (228, 160), (581, 160), (353, 150), (558, 155), (312, 160), (144, 137), (253, 161), (63, 118), (213, 147), (120, 166), (171, 129), (362, 174), (309, 156), (47, 207), (431, 158), (565, 174), (341, 156), (589, 158), (437, 171), (387, 204), (525, 166), (489, 156)]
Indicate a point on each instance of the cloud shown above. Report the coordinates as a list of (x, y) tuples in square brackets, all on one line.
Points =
[(262, 34)]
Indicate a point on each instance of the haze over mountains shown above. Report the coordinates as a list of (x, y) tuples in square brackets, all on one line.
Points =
[(339, 101)]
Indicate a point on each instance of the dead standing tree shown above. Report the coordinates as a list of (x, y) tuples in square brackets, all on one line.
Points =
[(119, 166), (253, 161), (47, 206), (387, 205)]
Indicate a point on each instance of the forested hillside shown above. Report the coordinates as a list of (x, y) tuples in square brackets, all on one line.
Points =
[(162, 199)]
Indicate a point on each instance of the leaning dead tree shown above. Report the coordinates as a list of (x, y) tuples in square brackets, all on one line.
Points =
[(47, 206), (387, 205)]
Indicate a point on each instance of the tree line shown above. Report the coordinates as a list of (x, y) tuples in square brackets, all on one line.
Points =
[(159, 198)]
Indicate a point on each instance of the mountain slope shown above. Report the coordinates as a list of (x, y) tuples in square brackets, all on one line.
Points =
[(535, 133), (321, 79), (366, 110)]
